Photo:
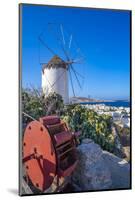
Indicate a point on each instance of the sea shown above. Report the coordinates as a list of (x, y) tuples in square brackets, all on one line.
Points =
[(113, 103)]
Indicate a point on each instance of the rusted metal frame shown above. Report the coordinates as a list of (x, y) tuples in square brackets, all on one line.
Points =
[(72, 148), (63, 145)]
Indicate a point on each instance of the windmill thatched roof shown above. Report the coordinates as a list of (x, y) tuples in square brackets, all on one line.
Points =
[(55, 62)]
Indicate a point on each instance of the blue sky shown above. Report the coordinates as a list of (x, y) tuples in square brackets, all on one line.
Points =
[(102, 35)]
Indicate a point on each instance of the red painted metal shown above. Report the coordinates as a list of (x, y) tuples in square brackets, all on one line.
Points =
[(48, 150)]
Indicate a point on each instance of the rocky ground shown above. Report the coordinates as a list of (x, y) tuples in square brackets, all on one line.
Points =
[(99, 170)]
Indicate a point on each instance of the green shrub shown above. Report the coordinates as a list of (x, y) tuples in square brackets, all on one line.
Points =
[(91, 125), (35, 104)]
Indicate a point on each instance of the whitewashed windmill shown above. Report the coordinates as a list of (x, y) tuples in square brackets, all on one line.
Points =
[(59, 70), (55, 78)]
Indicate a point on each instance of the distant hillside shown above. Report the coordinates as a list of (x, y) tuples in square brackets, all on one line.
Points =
[(84, 99)]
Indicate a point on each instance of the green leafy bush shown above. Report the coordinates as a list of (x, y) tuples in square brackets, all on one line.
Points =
[(35, 104), (91, 125)]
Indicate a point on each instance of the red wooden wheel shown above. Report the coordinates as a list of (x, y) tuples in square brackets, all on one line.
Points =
[(39, 155)]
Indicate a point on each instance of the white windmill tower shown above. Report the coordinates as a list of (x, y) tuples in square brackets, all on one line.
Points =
[(57, 72), (55, 78)]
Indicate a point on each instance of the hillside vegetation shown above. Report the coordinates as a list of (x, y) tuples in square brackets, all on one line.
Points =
[(88, 122)]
